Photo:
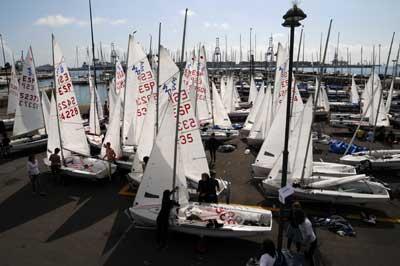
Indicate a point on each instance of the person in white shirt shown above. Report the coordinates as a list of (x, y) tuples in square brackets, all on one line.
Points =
[(307, 233), (269, 253), (34, 173)]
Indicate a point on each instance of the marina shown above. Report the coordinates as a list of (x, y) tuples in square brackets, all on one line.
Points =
[(200, 153)]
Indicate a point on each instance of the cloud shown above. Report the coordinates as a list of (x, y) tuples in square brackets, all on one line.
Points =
[(59, 21), (190, 12), (220, 26), (56, 21)]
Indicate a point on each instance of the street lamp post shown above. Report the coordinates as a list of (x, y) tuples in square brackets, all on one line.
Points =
[(292, 19)]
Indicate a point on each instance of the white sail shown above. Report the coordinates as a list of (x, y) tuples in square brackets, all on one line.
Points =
[(28, 115), (112, 97), (53, 140), (73, 134), (389, 97), (113, 132), (46, 109), (370, 96), (13, 93), (273, 143), (192, 150), (99, 105), (119, 78), (263, 119), (253, 91), (236, 99), (223, 87), (254, 109), (94, 122), (220, 115), (322, 101), (354, 97), (158, 175), (139, 86), (229, 96)]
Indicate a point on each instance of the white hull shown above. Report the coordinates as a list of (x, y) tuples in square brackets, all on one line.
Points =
[(128, 150), (379, 159), (319, 168), (87, 168), (233, 217), (220, 134), (352, 193), (95, 140), (28, 144)]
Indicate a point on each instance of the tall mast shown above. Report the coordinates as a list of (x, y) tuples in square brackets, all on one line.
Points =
[(55, 98), (316, 98), (298, 51), (179, 103), (94, 67), (240, 47), (197, 78), (158, 77)]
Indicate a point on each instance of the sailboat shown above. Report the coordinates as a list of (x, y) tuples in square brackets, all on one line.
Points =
[(139, 85), (251, 118), (66, 129), (252, 92), (94, 135), (12, 100), (189, 217), (354, 189), (263, 121), (322, 107), (28, 129)]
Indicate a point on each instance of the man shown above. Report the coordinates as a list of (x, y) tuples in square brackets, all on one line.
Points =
[(212, 144), (110, 153), (55, 165), (202, 187), (212, 188)]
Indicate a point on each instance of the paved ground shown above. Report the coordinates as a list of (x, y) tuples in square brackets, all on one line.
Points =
[(83, 224)]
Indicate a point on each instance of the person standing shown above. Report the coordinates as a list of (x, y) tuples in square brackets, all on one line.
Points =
[(307, 233), (163, 217), (293, 232), (269, 253), (110, 153), (212, 188), (212, 144), (202, 187), (34, 175), (55, 165)]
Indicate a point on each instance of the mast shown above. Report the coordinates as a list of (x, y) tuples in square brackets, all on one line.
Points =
[(298, 51), (94, 66), (179, 103), (240, 45), (158, 77), (126, 75), (304, 44), (4, 59), (197, 78), (316, 98), (55, 98)]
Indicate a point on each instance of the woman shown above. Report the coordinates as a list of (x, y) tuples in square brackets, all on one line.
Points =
[(33, 173), (307, 233), (269, 253), (293, 232), (163, 217)]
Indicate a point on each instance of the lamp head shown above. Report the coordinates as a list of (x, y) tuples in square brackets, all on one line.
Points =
[(293, 17)]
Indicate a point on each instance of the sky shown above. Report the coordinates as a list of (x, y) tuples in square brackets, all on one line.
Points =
[(360, 23)]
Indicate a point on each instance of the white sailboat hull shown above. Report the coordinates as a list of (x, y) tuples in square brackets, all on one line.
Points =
[(359, 192), (28, 143), (128, 150), (319, 168), (95, 140), (378, 159), (87, 168), (233, 217)]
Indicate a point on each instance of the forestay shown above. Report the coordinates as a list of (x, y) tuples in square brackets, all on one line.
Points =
[(94, 121), (389, 97), (73, 134), (28, 115)]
